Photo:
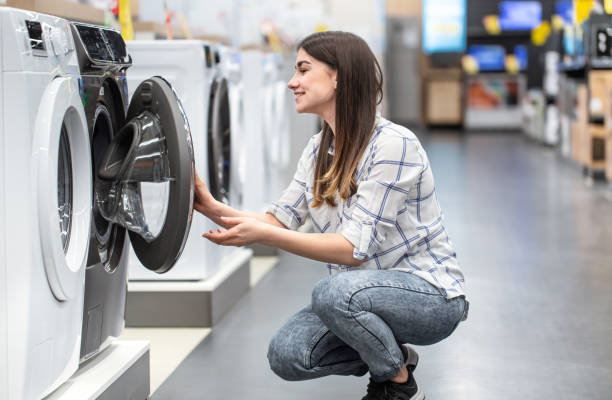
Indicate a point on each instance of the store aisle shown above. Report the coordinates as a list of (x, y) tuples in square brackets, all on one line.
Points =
[(536, 246)]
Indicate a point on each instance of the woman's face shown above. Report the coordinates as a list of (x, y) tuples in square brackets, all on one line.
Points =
[(314, 86)]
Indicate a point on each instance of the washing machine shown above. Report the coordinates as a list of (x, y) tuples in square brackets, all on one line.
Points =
[(256, 185), (190, 66), (143, 179), (276, 136), (45, 204), (229, 69)]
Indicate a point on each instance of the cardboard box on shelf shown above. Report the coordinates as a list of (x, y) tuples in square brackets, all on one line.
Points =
[(599, 81), (608, 160), (580, 125), (443, 102), (595, 148), (403, 8), (61, 8)]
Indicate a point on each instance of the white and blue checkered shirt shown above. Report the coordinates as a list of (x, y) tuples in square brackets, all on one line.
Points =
[(393, 220)]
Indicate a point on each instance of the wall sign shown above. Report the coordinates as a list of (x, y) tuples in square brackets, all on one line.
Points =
[(444, 26)]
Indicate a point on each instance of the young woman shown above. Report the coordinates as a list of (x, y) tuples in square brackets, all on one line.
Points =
[(368, 187)]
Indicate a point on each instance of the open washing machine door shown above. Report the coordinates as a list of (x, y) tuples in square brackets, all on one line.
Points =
[(146, 178)]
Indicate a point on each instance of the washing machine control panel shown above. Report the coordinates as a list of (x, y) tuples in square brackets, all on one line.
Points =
[(102, 44), (35, 32)]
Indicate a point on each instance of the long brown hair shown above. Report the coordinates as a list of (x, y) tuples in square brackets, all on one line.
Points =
[(358, 91)]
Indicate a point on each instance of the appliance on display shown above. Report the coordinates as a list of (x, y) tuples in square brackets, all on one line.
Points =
[(190, 67), (402, 67), (229, 73), (598, 40), (521, 54), (519, 15), (565, 9), (444, 25), (492, 101), (256, 197), (228, 140), (488, 57), (275, 126), (45, 205), (143, 178)]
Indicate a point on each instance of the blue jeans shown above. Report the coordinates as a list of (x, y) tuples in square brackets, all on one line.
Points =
[(356, 323)]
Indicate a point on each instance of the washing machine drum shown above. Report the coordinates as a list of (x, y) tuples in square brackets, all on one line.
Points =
[(146, 178)]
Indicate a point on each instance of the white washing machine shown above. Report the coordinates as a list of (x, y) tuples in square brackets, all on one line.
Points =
[(45, 205), (229, 68), (256, 186), (276, 135), (189, 66), (228, 90), (143, 170)]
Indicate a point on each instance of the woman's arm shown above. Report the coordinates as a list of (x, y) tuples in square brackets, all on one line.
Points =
[(206, 204), (331, 248)]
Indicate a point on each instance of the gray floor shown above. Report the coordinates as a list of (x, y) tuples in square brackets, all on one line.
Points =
[(535, 243)]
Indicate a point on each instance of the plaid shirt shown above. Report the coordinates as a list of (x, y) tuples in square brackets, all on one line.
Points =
[(394, 220)]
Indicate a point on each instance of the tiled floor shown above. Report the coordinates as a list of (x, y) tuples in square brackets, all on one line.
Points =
[(535, 243)]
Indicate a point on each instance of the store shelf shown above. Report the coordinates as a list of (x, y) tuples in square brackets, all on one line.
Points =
[(61, 8)]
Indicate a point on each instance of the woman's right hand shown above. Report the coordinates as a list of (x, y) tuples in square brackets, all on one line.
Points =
[(203, 199)]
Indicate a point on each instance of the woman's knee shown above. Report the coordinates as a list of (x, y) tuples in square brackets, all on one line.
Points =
[(283, 359), (331, 295)]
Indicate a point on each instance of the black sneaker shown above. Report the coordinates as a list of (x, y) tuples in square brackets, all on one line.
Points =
[(375, 390), (411, 357), (402, 391)]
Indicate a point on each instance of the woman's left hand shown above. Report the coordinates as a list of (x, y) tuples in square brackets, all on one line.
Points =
[(243, 231)]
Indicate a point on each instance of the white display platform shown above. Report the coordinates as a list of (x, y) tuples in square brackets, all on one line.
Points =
[(120, 372), (189, 303)]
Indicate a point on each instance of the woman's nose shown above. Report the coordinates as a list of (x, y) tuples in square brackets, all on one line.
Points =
[(292, 83)]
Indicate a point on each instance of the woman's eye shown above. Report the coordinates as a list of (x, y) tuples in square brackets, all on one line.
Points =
[(302, 70)]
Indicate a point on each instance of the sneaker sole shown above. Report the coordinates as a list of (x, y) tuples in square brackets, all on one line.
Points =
[(419, 395)]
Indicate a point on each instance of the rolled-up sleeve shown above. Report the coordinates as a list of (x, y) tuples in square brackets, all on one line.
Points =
[(291, 209), (389, 180)]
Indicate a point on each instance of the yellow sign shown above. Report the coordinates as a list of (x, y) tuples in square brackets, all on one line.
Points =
[(582, 9), (512, 64), (557, 22), (608, 6), (125, 20), (491, 24), (540, 33), (469, 64)]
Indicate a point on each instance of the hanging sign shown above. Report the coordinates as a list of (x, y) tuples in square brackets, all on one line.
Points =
[(491, 24), (540, 33), (582, 9)]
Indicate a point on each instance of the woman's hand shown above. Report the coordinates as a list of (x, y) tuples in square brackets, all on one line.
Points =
[(243, 231), (202, 198)]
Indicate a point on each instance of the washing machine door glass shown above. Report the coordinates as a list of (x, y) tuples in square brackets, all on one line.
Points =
[(146, 178), (64, 186), (219, 140)]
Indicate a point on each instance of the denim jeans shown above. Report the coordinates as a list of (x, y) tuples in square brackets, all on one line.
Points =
[(356, 323)]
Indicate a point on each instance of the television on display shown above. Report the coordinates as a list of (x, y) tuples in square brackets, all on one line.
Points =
[(565, 9), (519, 15), (520, 52), (444, 26), (488, 57)]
